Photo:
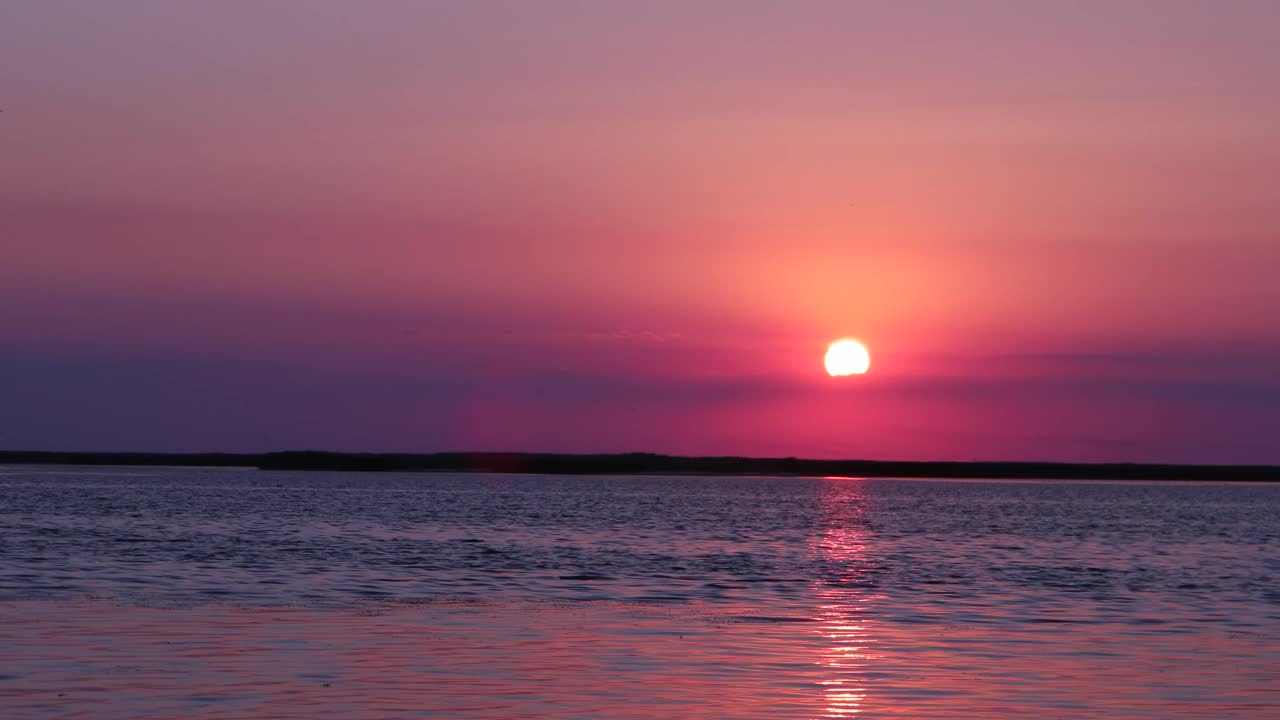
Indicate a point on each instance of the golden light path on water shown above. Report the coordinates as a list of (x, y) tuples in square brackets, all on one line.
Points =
[(849, 650)]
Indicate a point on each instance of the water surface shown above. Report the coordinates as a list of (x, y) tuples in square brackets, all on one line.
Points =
[(165, 592)]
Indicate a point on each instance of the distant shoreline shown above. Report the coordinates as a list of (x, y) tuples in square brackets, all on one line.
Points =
[(651, 464)]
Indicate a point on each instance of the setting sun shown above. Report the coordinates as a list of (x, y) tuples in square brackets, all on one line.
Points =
[(847, 357)]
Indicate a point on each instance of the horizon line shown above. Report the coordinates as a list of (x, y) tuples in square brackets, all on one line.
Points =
[(641, 462)]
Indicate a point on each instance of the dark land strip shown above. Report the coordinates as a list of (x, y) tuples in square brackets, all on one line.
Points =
[(649, 463)]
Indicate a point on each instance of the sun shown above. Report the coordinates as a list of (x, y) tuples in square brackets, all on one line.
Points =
[(847, 357)]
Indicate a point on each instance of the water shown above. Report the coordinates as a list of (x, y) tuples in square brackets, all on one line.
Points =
[(223, 593)]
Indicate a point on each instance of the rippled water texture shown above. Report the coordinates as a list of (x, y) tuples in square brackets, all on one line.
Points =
[(162, 593)]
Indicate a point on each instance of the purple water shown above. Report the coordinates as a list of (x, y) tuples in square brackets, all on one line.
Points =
[(178, 592)]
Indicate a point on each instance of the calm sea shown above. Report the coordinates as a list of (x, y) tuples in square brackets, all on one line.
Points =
[(226, 593)]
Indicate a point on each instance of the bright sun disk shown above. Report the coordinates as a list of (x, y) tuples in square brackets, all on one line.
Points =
[(847, 357)]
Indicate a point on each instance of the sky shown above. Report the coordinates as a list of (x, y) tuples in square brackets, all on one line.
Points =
[(416, 225)]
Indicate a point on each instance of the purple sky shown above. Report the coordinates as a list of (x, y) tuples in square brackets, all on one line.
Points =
[(597, 226)]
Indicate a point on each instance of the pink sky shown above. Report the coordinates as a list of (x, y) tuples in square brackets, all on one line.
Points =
[(406, 225)]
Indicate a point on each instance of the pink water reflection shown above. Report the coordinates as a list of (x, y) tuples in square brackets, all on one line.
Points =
[(613, 661), (540, 661), (841, 606)]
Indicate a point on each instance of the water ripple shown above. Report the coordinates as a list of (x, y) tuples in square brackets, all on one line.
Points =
[(332, 594)]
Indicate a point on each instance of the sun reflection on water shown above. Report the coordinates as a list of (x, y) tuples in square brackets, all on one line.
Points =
[(841, 613)]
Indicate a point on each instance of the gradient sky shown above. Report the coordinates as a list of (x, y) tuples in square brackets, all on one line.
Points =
[(606, 226)]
